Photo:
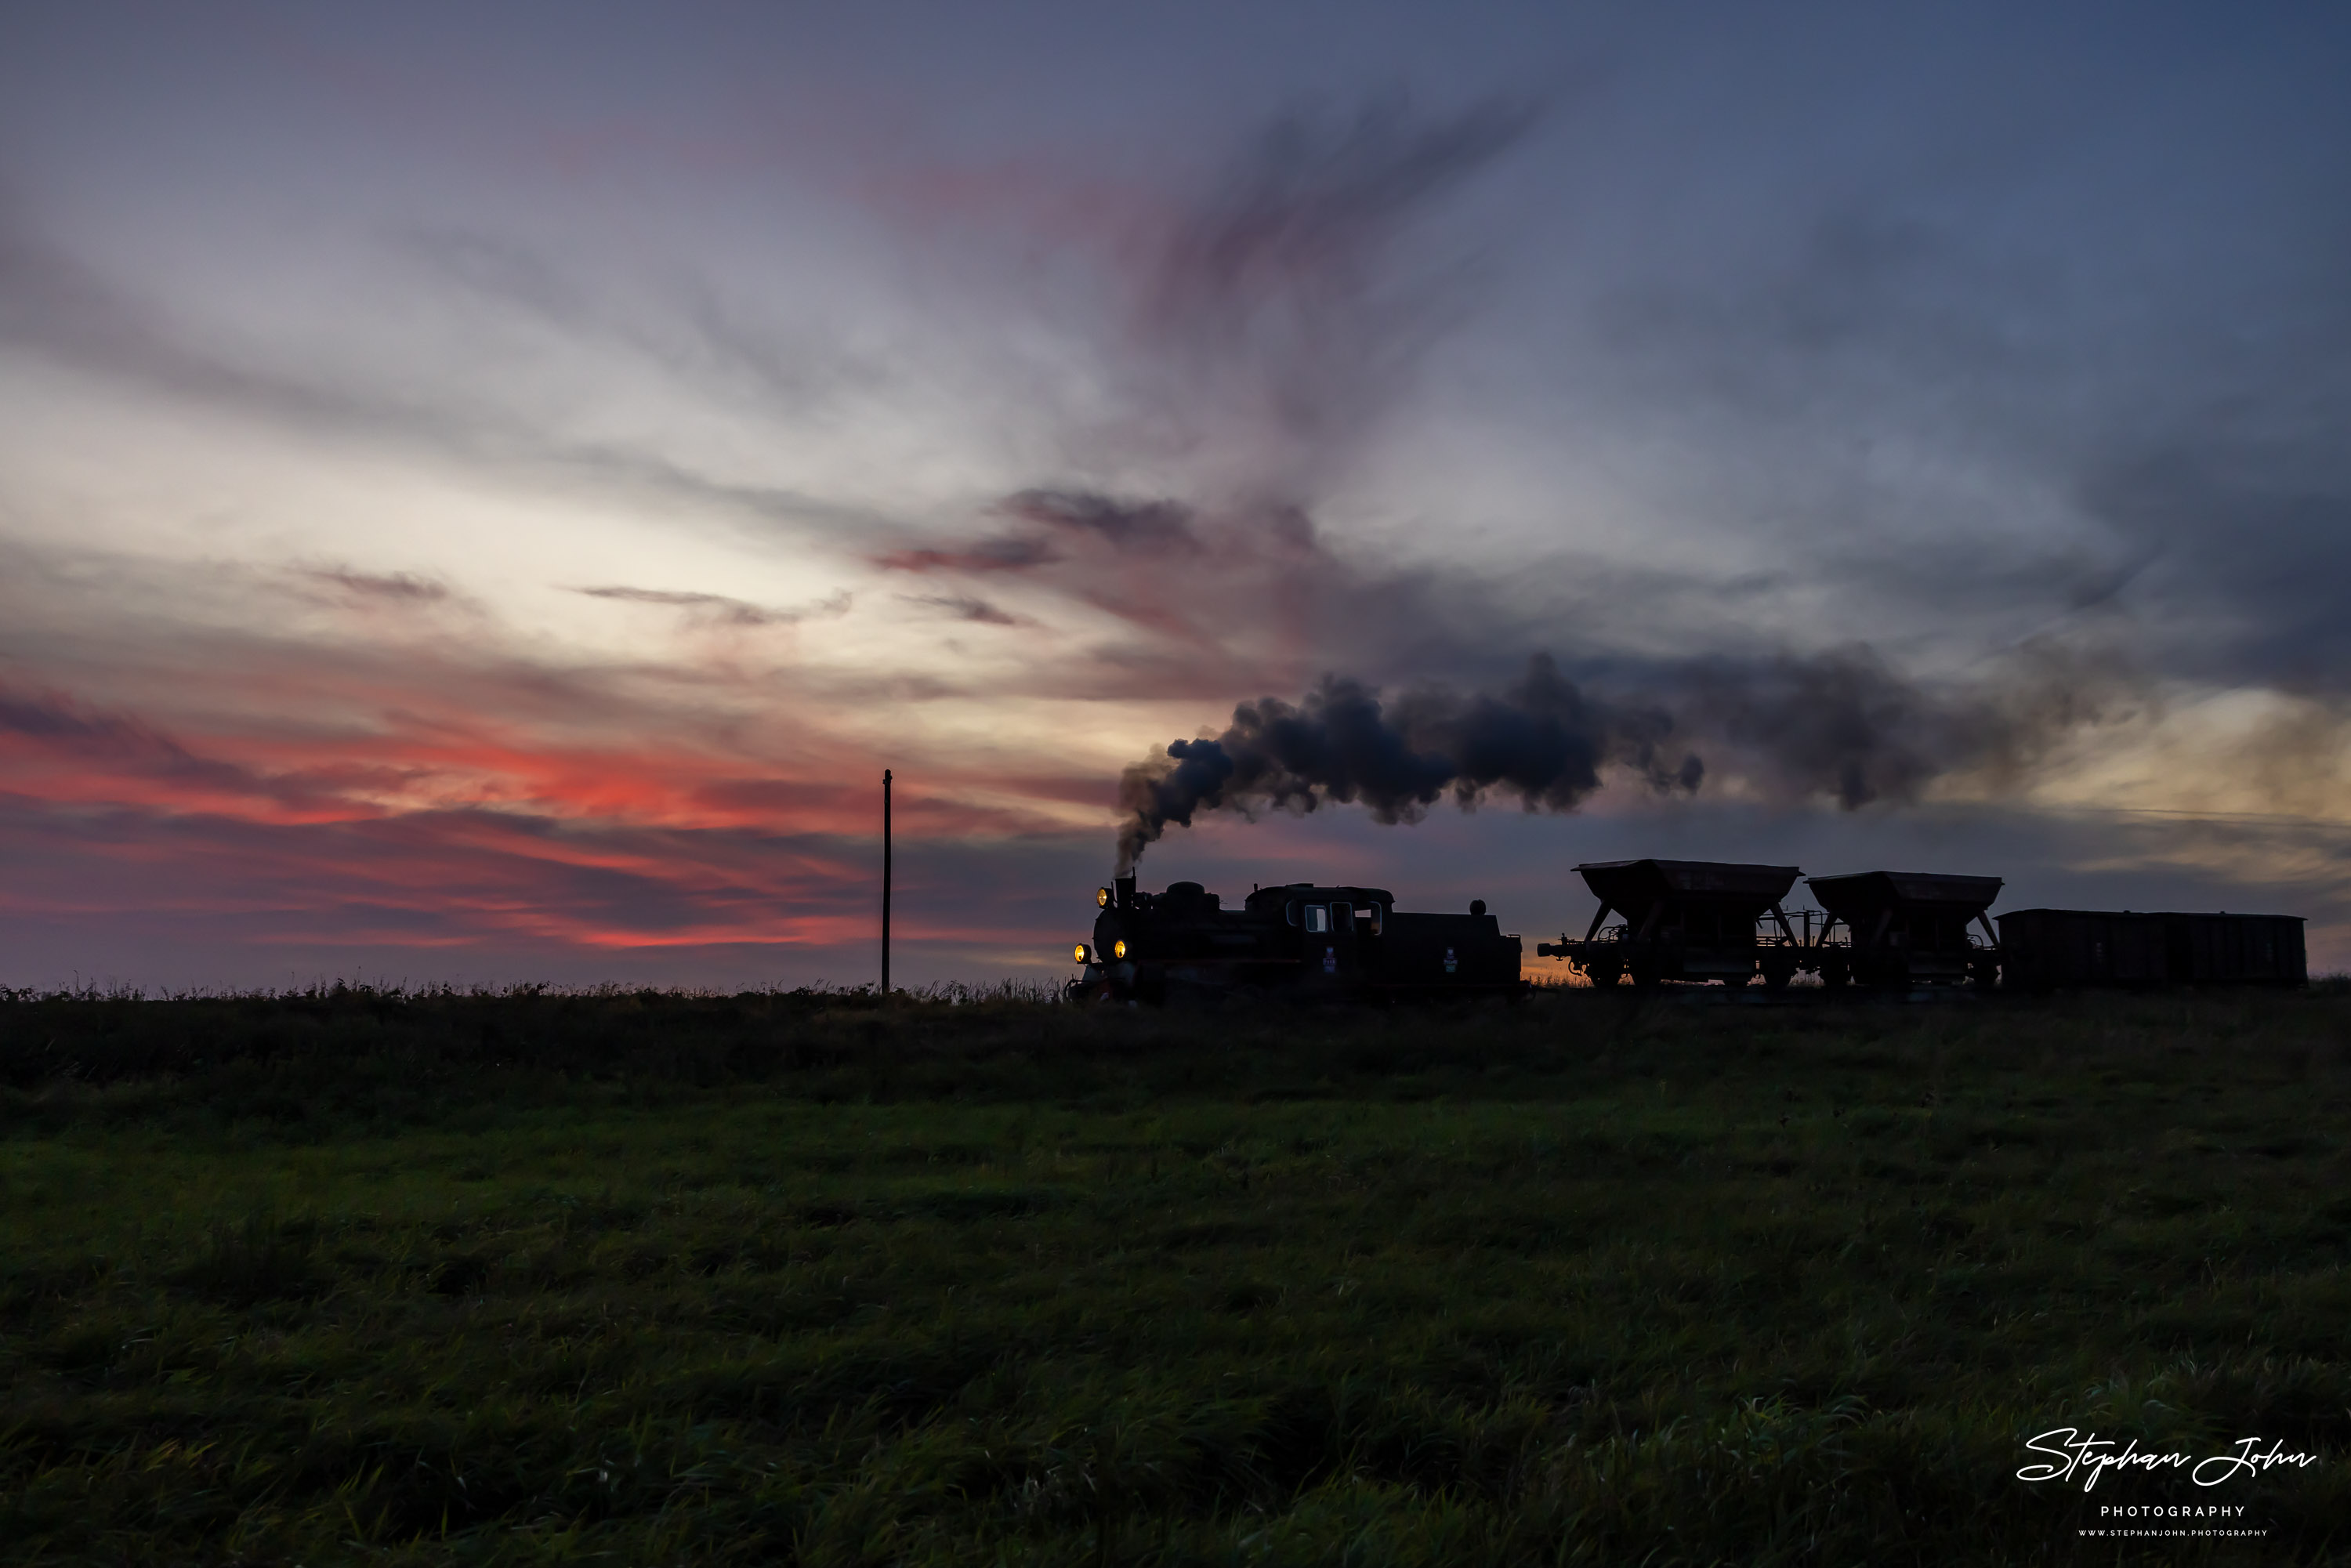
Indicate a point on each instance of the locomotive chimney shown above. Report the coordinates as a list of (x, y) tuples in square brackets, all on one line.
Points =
[(1125, 885)]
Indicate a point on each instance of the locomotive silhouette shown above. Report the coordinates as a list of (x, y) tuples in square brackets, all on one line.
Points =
[(1306, 939)]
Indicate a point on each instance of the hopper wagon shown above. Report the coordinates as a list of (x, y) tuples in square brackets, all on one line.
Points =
[(1686, 920), (1899, 929)]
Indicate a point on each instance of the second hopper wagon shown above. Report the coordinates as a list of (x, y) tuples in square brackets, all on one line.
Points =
[(1896, 928)]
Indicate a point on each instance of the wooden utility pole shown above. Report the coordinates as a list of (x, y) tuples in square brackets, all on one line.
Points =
[(885, 882)]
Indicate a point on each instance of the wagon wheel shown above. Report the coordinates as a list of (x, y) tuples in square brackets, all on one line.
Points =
[(1834, 973), (1777, 973)]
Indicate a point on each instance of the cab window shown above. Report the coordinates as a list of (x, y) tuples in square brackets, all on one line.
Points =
[(1318, 917), (1369, 918), (1342, 916)]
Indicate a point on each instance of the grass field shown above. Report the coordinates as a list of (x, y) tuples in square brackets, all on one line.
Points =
[(642, 1278)]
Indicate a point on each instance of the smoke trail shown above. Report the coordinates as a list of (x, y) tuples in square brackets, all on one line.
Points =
[(1840, 725), (1843, 724), (1542, 739)]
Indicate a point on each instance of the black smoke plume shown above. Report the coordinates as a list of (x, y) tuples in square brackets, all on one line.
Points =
[(1542, 740), (1845, 724), (1840, 725)]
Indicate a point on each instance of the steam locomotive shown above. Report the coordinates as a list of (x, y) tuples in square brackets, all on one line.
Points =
[(1306, 940)]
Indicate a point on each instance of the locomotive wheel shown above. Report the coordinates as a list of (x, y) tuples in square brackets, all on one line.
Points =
[(1645, 977), (1604, 972)]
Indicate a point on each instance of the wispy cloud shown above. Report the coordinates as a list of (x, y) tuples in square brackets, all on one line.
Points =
[(967, 607), (719, 609), (399, 587)]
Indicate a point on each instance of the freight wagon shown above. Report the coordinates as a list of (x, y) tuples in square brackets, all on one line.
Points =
[(1686, 920), (1900, 929), (2048, 948)]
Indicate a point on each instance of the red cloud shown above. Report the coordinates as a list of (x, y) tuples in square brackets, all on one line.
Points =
[(444, 825)]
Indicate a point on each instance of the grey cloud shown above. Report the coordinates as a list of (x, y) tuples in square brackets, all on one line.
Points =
[(398, 585), (51, 717), (1272, 312), (60, 723), (500, 269), (965, 607), (2250, 558), (686, 326), (720, 609), (53, 304), (1001, 552), (1144, 526), (1880, 394), (1058, 521), (1212, 597), (56, 305)]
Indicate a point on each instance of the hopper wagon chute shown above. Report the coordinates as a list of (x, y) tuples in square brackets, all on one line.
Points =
[(1686, 920)]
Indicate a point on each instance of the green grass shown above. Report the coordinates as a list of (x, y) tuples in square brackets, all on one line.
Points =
[(642, 1279)]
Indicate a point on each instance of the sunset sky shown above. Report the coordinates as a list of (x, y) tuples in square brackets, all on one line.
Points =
[(485, 491)]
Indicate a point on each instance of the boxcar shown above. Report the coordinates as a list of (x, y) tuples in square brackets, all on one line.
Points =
[(2046, 949), (2235, 949)]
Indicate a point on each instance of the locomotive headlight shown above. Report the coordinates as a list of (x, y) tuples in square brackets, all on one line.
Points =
[(1102, 898), (1084, 957), (1119, 946)]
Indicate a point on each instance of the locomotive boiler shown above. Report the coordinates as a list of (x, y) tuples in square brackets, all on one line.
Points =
[(1309, 941)]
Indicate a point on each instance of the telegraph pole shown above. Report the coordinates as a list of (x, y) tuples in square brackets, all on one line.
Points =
[(885, 882)]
